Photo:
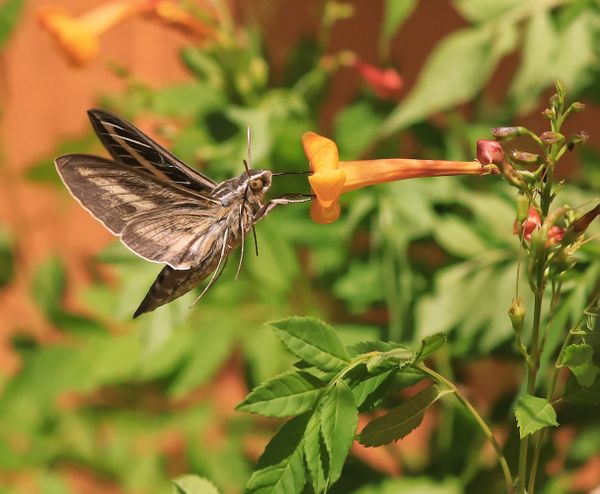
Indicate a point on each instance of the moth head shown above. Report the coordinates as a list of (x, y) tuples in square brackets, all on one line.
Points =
[(259, 181)]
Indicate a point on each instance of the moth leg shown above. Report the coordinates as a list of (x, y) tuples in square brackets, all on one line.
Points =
[(287, 199), (237, 273), (219, 269)]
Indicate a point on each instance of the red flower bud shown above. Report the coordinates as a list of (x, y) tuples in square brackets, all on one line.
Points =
[(385, 83), (555, 235), (489, 152), (532, 223)]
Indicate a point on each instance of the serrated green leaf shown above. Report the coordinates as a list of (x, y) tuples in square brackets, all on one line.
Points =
[(313, 341), (48, 287), (281, 467), (10, 11), (370, 389), (402, 420), (577, 395), (339, 418), (579, 359), (288, 394), (431, 344), (192, 484), (534, 413), (372, 346), (315, 454), (455, 71)]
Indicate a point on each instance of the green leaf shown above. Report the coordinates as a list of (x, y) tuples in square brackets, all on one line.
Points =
[(394, 14), (579, 359), (370, 389), (288, 394), (10, 11), (484, 10), (7, 258), (535, 70), (414, 485), (192, 484), (313, 341), (431, 344), (456, 70), (580, 396), (315, 454), (205, 359), (534, 413), (281, 467), (185, 100), (458, 238), (402, 420), (339, 418), (574, 58), (355, 127), (48, 286)]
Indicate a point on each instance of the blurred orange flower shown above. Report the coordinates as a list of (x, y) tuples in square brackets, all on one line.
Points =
[(332, 177), (79, 36)]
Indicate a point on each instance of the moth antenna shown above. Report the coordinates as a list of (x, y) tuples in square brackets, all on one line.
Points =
[(217, 272), (249, 140)]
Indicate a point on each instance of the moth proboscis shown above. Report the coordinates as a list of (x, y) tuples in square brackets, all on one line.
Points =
[(163, 210)]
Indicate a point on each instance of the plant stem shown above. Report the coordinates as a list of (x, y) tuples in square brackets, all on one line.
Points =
[(553, 381), (482, 424), (535, 361)]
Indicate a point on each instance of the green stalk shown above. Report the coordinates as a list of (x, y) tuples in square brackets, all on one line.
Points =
[(553, 381), (482, 424)]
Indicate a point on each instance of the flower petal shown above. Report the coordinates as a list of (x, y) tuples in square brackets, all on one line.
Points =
[(327, 185), (322, 153), (78, 42), (324, 215)]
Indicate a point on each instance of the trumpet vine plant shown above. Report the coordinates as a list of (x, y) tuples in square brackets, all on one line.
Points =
[(332, 384)]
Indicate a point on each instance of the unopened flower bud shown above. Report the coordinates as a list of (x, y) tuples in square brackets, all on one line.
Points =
[(489, 152), (555, 235), (524, 157), (530, 225), (577, 106), (516, 313), (502, 133), (522, 208), (548, 113), (549, 137), (577, 140)]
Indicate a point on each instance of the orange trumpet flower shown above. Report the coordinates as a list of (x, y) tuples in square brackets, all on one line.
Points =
[(332, 177)]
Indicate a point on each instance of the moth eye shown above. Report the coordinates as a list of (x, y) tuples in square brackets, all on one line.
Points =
[(256, 184)]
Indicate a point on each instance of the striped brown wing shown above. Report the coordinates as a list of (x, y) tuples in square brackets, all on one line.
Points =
[(130, 146), (183, 236), (140, 208)]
